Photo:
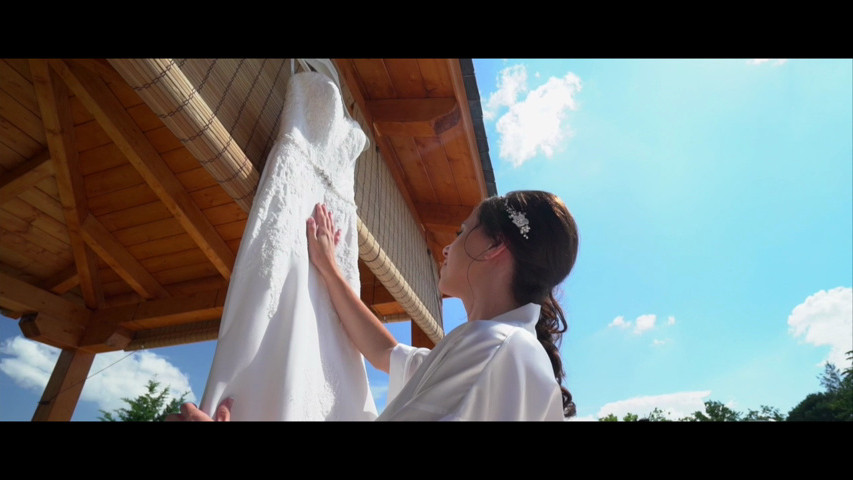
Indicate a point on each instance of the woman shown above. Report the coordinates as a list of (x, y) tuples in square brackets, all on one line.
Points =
[(503, 364)]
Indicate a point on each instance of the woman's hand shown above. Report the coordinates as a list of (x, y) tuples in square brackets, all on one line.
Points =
[(191, 413), (322, 240)]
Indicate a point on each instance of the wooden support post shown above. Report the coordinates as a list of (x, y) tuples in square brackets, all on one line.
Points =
[(63, 389)]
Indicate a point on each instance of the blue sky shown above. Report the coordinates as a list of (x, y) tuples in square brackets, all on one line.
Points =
[(714, 200)]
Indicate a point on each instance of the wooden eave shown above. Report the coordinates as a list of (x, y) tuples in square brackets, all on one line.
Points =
[(111, 231)]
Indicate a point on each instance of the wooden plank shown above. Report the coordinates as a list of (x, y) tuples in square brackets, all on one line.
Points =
[(17, 140), (438, 169), (406, 77), (110, 180), (62, 281), (196, 179), (17, 86), (27, 120), (45, 204), (220, 214), (435, 76), (137, 215), (173, 260), (32, 215), (232, 231), (420, 117), (417, 179), (43, 328), (15, 182), (63, 389), (204, 305), (42, 252), (439, 215), (147, 232), (23, 297), (145, 118), (21, 256), (180, 160), (21, 66), (56, 115), (132, 142), (162, 247), (32, 234), (9, 159), (162, 139), (455, 71), (211, 197), (185, 273), (120, 260), (121, 200), (374, 77), (464, 166), (90, 135), (100, 158)]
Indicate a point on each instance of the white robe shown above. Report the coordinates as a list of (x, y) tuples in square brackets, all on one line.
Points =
[(483, 370)]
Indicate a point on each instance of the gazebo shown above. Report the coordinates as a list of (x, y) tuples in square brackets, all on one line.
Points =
[(125, 186)]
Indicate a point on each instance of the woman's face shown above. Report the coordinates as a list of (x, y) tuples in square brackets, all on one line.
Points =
[(463, 258)]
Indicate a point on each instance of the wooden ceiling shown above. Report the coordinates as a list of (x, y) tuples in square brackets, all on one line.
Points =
[(110, 229)]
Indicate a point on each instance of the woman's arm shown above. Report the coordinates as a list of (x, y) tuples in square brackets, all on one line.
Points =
[(368, 334)]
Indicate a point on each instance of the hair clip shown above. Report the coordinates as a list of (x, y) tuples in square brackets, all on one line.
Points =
[(519, 219)]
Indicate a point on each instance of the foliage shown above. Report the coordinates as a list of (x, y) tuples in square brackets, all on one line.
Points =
[(148, 407), (714, 412), (835, 403)]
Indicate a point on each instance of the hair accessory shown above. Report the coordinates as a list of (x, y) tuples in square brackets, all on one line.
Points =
[(519, 219)]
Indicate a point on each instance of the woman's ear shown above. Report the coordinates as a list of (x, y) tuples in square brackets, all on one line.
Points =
[(495, 250)]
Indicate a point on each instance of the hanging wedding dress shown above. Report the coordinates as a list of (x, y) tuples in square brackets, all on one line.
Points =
[(282, 352)]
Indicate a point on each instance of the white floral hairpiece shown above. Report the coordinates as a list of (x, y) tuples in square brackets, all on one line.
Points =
[(519, 219)]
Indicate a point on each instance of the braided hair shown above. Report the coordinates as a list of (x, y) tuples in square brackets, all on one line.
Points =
[(544, 254)]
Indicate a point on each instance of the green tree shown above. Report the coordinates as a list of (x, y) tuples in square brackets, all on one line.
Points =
[(764, 414), (714, 412), (835, 403), (148, 407)]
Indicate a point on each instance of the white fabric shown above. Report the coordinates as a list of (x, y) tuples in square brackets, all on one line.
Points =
[(282, 352), (483, 370)]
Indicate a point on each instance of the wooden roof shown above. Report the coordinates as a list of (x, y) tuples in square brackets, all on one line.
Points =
[(112, 232)]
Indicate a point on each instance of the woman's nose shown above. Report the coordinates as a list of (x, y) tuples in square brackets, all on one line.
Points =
[(444, 250)]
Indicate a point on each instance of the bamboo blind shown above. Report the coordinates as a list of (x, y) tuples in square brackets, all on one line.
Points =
[(226, 112)]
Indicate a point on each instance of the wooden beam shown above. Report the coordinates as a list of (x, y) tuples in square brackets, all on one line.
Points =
[(443, 217), (63, 389), (22, 178), (120, 260), (414, 117), (419, 338), (59, 127), (120, 127), (470, 135), (20, 296), (169, 311), (49, 330)]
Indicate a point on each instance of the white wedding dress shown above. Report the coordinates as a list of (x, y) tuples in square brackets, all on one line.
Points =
[(282, 352)]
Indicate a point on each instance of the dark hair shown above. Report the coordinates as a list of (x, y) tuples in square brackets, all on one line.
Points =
[(544, 255)]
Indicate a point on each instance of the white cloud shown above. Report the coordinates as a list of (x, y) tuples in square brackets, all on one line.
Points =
[(772, 61), (535, 124), (658, 343), (512, 82), (379, 391), (124, 375), (670, 320), (674, 405), (644, 323), (826, 319), (619, 322)]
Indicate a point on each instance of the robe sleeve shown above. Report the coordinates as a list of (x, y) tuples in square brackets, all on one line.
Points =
[(516, 384), (404, 362)]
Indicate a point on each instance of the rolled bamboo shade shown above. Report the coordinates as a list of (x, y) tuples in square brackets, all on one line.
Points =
[(226, 112)]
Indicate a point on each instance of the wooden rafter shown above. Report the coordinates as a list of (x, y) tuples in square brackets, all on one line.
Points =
[(20, 296), (119, 259), (129, 138), (414, 117), (15, 182), (63, 389), (56, 115)]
